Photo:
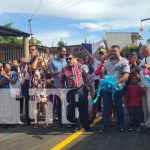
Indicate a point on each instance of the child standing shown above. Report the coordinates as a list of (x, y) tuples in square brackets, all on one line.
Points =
[(133, 101)]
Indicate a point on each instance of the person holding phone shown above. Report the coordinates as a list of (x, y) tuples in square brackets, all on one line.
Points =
[(7, 76), (29, 64)]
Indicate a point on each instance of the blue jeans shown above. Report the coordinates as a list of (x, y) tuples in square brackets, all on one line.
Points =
[(107, 104)]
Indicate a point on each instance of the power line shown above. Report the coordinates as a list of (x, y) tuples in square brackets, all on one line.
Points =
[(36, 9), (60, 5), (66, 8), (63, 4), (75, 4)]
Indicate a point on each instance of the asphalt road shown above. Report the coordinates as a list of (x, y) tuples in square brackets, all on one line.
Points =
[(112, 140), (27, 138)]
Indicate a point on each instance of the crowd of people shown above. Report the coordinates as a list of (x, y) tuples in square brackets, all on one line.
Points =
[(82, 75)]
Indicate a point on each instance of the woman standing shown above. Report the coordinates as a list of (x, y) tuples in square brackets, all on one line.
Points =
[(38, 81), (10, 108)]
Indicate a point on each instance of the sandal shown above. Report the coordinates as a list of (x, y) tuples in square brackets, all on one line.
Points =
[(35, 126), (46, 125)]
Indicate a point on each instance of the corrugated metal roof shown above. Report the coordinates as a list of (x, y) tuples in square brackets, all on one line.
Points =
[(12, 32)]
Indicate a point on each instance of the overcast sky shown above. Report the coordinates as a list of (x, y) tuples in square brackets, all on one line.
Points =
[(75, 20)]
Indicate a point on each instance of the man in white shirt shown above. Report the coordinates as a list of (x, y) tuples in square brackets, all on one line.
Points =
[(92, 64), (146, 96)]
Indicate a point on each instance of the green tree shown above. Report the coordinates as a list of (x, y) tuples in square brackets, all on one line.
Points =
[(10, 39), (34, 40), (15, 40), (61, 43), (148, 41), (133, 48), (102, 48), (129, 50)]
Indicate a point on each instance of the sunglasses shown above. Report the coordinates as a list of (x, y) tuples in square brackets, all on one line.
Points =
[(68, 59), (32, 49)]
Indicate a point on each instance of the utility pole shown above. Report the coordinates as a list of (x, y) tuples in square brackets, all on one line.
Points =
[(30, 27), (33, 40)]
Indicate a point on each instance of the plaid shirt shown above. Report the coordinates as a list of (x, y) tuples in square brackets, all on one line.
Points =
[(74, 77)]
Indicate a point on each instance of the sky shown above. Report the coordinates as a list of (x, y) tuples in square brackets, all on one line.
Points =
[(74, 20)]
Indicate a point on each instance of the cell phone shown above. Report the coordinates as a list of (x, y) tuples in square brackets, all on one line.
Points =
[(1, 69), (32, 60)]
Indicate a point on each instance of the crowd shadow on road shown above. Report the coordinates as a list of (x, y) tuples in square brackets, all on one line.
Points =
[(52, 129), (113, 139)]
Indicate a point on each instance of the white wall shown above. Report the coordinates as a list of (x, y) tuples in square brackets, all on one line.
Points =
[(118, 38)]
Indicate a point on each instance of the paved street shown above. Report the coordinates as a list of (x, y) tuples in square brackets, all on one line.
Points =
[(112, 140), (27, 138)]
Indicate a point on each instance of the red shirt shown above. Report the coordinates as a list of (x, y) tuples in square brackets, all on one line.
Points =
[(98, 71), (75, 76), (133, 95)]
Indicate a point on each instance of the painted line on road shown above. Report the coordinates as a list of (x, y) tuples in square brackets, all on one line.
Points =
[(5, 136), (73, 137)]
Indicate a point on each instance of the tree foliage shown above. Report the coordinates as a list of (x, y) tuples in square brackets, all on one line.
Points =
[(130, 49), (10, 39), (61, 43), (15, 40), (133, 48), (148, 41)]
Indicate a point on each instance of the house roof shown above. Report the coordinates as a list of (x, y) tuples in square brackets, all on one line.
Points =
[(136, 35), (12, 32)]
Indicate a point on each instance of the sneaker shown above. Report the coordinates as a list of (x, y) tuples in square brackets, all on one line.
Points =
[(103, 129), (88, 130), (70, 126), (93, 117), (121, 128), (113, 123), (130, 129), (137, 129), (26, 123), (148, 131), (75, 129)]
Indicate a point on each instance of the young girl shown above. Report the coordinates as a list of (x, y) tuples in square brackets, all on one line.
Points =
[(133, 101)]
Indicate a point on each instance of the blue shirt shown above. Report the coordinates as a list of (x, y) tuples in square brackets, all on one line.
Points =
[(57, 64), (13, 76)]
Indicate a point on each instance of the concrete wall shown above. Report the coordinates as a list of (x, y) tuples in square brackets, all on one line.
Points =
[(118, 38)]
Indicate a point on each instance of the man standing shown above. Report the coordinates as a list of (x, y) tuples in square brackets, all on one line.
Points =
[(146, 96), (75, 78), (119, 68), (92, 64), (56, 66)]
